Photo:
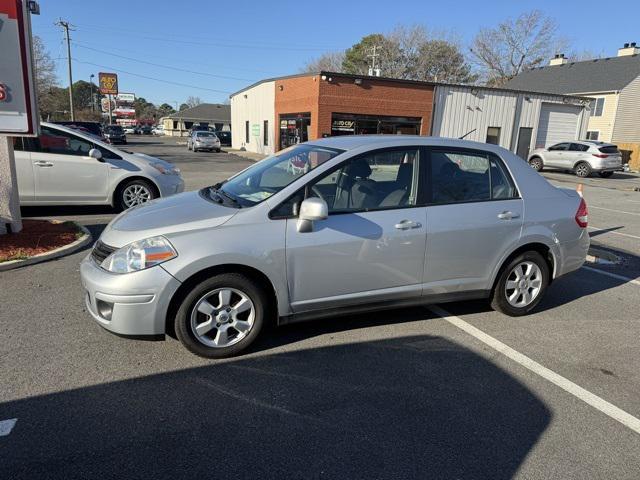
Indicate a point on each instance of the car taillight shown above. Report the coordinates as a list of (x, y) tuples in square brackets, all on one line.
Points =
[(582, 215), (600, 155)]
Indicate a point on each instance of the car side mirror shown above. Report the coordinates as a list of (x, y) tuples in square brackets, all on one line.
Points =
[(96, 154), (311, 210)]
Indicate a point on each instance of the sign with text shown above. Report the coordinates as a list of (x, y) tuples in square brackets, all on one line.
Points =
[(18, 104), (108, 83)]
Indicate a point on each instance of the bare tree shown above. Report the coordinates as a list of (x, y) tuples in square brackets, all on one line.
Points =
[(193, 101), (515, 45), (330, 62), (45, 76)]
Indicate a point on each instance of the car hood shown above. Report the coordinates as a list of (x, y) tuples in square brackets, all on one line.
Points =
[(178, 213)]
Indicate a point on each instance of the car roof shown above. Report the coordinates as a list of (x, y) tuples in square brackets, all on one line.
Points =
[(350, 142)]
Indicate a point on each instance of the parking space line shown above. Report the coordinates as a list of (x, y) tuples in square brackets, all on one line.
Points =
[(612, 210), (606, 231), (612, 275), (568, 386), (6, 426)]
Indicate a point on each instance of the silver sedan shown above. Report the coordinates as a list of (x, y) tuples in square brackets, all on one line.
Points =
[(335, 226), (203, 140)]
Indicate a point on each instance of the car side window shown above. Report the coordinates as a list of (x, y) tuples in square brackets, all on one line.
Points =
[(378, 180), (61, 143), (577, 147), (559, 147), (462, 176)]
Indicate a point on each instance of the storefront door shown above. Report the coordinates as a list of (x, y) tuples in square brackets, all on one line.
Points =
[(294, 129)]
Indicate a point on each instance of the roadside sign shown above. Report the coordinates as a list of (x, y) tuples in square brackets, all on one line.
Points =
[(108, 83), (18, 104)]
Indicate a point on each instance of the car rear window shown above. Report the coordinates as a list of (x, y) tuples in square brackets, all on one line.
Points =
[(609, 149)]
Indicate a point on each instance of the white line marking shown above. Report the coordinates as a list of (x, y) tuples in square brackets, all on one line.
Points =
[(612, 210), (612, 275), (6, 426), (577, 391), (606, 231)]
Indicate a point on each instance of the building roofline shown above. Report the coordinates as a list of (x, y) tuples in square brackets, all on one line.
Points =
[(406, 82)]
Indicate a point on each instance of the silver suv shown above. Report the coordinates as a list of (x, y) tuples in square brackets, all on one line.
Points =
[(582, 157), (330, 227)]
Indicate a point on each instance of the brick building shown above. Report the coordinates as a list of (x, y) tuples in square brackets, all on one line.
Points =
[(275, 113)]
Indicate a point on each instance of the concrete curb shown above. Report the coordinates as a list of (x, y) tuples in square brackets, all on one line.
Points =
[(58, 252), (597, 255)]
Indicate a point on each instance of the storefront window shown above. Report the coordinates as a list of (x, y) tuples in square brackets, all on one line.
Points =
[(294, 128), (355, 124)]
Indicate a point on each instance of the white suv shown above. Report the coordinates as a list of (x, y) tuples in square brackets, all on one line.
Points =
[(66, 167), (582, 157)]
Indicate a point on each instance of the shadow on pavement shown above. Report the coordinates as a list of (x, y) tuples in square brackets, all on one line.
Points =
[(409, 407), (66, 210)]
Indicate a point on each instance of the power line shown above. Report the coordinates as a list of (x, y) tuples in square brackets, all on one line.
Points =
[(67, 26), (161, 65), (151, 78)]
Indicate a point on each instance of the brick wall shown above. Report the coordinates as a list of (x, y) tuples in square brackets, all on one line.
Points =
[(374, 97)]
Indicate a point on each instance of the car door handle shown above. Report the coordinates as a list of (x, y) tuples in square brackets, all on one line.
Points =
[(407, 224), (42, 163), (507, 215)]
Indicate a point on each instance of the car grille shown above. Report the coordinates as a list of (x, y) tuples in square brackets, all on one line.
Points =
[(101, 251)]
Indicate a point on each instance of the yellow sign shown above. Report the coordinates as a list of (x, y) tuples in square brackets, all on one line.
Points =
[(108, 83)]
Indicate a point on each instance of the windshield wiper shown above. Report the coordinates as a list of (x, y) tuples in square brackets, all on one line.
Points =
[(232, 199)]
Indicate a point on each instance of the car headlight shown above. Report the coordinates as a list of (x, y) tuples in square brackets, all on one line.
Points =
[(139, 255), (166, 169)]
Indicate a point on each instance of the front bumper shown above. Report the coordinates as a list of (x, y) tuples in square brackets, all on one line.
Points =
[(137, 301)]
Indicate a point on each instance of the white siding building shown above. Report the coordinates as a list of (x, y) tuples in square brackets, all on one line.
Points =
[(516, 120), (252, 117)]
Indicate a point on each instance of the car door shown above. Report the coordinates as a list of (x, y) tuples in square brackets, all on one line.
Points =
[(372, 245), (474, 214), (576, 153), (64, 171), (555, 155), (24, 169)]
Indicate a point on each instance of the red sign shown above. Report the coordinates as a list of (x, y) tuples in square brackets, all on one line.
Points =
[(108, 83), (18, 105)]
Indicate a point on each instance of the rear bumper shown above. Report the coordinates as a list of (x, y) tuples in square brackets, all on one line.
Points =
[(570, 256)]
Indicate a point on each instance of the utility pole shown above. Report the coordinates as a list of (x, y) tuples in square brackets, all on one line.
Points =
[(66, 26), (373, 69), (93, 103)]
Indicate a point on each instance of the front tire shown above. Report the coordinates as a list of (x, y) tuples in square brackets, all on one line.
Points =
[(536, 164), (134, 193), (221, 316), (521, 285), (605, 174), (582, 170)]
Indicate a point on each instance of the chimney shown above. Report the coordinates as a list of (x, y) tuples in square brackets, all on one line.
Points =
[(559, 59), (628, 49)]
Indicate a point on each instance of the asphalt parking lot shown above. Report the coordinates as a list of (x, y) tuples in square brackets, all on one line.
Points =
[(455, 391)]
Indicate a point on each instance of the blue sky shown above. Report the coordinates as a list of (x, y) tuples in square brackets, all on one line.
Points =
[(237, 43)]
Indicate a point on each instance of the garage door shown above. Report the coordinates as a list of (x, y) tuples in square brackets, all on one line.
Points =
[(558, 123)]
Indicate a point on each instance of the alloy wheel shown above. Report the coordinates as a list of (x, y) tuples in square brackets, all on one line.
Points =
[(523, 284), (222, 317), (136, 194)]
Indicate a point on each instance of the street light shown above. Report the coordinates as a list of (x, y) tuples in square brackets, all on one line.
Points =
[(93, 101)]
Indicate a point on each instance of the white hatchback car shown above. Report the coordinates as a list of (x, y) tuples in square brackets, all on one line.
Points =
[(582, 157), (66, 167)]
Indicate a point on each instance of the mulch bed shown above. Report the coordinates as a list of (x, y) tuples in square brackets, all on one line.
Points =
[(37, 236)]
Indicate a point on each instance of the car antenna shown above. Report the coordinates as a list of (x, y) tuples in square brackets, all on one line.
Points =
[(468, 133)]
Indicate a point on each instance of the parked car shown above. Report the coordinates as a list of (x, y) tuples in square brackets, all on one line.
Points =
[(67, 167), (94, 127), (146, 130), (203, 140), (372, 222), (582, 157), (158, 130), (115, 134), (129, 129), (224, 137)]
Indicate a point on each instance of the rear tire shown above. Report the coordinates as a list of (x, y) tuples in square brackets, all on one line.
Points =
[(536, 164), (582, 170), (605, 174), (521, 284), (207, 317)]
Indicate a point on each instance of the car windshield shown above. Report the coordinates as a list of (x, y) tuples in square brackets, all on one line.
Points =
[(269, 176)]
